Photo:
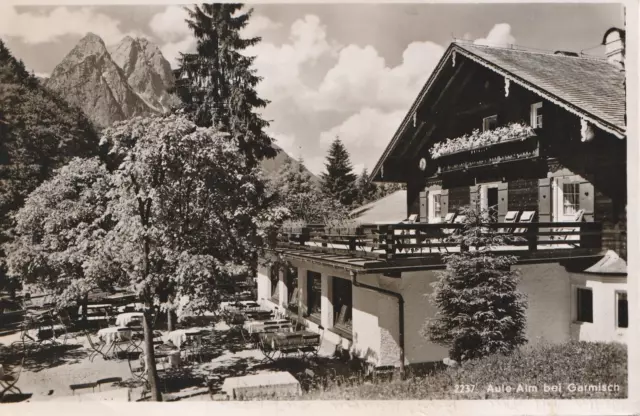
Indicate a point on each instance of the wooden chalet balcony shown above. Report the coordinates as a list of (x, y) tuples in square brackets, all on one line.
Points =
[(490, 155), (392, 242)]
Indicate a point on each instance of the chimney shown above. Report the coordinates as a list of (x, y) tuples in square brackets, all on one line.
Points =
[(614, 43)]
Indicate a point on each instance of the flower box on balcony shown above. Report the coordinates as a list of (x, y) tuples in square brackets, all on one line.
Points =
[(478, 141)]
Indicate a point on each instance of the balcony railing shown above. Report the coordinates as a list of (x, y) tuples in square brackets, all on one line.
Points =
[(395, 241)]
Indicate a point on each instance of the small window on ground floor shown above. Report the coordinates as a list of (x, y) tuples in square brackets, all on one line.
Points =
[(342, 304), (274, 272), (584, 305), (622, 311), (314, 293)]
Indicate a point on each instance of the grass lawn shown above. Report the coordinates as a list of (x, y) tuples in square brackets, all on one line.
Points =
[(574, 370)]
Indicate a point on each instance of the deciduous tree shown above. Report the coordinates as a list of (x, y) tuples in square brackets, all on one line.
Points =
[(302, 197)]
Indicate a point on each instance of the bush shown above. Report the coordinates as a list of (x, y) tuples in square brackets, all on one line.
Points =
[(569, 365)]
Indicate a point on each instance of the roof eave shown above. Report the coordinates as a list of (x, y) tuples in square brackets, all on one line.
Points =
[(376, 173)]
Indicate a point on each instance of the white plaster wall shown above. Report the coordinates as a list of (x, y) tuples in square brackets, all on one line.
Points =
[(326, 304), (604, 327), (548, 290), (418, 308), (366, 329), (282, 288), (264, 284)]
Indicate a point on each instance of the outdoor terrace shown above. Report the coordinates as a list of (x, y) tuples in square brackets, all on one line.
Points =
[(405, 246)]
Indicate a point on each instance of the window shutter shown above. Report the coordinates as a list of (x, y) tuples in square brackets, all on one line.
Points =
[(474, 200), (424, 212), (544, 200), (503, 200), (444, 203), (586, 200)]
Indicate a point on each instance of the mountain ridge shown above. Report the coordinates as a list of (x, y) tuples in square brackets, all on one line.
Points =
[(124, 80)]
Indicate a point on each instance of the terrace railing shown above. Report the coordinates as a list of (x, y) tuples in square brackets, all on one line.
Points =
[(393, 241)]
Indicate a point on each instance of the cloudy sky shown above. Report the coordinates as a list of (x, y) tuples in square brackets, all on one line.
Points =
[(329, 70)]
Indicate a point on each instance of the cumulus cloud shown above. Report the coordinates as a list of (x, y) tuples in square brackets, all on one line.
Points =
[(258, 25), (499, 35), (286, 142), (361, 77), (170, 25), (281, 65), (171, 28), (34, 28), (365, 134)]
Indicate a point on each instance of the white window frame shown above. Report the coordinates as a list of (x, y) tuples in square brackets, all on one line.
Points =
[(534, 116), (617, 294), (432, 218), (487, 120), (558, 198)]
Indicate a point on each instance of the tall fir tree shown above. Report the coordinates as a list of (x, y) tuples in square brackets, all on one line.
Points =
[(217, 84), (339, 181), (481, 312)]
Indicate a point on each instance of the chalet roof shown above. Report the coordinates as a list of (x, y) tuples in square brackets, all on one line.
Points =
[(592, 85), (390, 209), (590, 88)]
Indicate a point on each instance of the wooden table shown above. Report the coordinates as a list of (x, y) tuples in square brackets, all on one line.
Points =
[(285, 343), (267, 385)]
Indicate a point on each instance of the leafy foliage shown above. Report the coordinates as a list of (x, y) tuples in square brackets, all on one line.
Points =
[(217, 85), (39, 133), (511, 132), (186, 209), (480, 310), (60, 233), (339, 181), (302, 197), (369, 191)]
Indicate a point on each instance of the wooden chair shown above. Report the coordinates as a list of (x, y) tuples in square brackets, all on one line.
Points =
[(577, 218), (510, 217), (526, 217)]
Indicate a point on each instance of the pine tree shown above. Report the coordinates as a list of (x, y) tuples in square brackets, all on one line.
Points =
[(217, 84), (302, 197), (481, 311), (339, 181), (367, 190)]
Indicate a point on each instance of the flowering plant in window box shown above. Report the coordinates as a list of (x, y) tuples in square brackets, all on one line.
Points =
[(477, 139)]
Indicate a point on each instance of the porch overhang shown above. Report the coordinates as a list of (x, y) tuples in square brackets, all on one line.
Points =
[(338, 259)]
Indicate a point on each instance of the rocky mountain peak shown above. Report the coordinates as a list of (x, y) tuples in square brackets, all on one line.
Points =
[(89, 78), (147, 71)]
